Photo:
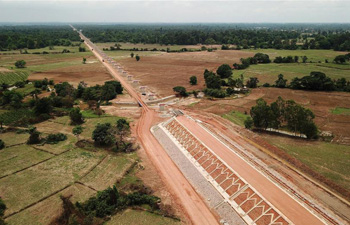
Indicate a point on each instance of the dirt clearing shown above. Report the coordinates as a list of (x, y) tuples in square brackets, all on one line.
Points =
[(163, 72)]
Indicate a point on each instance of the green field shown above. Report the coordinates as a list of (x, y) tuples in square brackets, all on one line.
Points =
[(267, 73), (341, 111), (330, 160), (44, 171), (236, 117), (12, 77), (140, 217), (41, 62)]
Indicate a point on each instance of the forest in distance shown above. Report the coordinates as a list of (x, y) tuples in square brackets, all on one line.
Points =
[(277, 36)]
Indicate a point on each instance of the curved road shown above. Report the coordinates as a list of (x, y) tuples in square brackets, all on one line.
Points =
[(192, 203)]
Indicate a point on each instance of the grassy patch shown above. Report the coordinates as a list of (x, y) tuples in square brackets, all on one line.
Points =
[(13, 77), (49, 209), (267, 73), (44, 179), (12, 138), (341, 111), (236, 117), (60, 146), (18, 157), (140, 217), (330, 160), (91, 114), (26, 89), (108, 172)]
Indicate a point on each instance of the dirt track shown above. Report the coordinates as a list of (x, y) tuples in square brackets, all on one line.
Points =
[(193, 204)]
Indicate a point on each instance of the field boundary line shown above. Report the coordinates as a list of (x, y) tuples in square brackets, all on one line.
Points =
[(92, 168), (35, 164), (40, 200)]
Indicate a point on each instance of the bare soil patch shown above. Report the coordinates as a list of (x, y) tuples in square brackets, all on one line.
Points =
[(163, 72)]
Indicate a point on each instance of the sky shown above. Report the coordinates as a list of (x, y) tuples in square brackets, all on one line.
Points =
[(183, 11)]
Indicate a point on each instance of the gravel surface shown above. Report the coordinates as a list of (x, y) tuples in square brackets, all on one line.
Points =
[(198, 181)]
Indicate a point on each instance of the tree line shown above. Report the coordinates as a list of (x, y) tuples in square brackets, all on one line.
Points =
[(35, 36), (243, 36)]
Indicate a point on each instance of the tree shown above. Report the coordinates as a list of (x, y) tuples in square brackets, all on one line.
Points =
[(84, 60), (137, 57), (42, 106), (108, 92), (261, 114), (180, 91), (117, 85), (132, 55), (64, 89), (77, 130), (281, 82), (2, 207), (252, 82), (122, 130), (248, 123), (296, 58), (12, 98), (224, 71), (103, 135), (20, 64), (34, 136), (210, 41), (212, 80), (82, 49), (193, 80), (75, 116)]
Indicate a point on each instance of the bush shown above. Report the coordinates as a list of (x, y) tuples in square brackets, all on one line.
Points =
[(2, 144), (248, 123), (217, 93), (180, 91), (2, 208), (55, 138), (20, 64), (193, 80), (20, 84), (34, 137)]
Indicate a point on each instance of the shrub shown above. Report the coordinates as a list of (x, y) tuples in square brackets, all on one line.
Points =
[(75, 116), (137, 57), (20, 64), (55, 138), (193, 80), (180, 91), (20, 84), (248, 123), (2, 208), (217, 93), (34, 137), (2, 144)]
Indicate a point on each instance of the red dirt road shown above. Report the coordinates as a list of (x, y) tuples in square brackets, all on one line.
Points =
[(277, 197), (193, 204)]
